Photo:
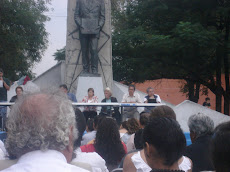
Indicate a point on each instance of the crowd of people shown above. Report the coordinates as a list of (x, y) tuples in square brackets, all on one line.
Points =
[(46, 133)]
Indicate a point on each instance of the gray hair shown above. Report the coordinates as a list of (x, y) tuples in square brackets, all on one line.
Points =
[(40, 121), (109, 90), (149, 88), (200, 124)]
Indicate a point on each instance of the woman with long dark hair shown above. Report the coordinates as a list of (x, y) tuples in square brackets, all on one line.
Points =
[(107, 143)]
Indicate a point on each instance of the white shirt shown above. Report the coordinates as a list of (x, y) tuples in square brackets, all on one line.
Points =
[(130, 143), (47, 161), (135, 98), (141, 166), (3, 152), (93, 159)]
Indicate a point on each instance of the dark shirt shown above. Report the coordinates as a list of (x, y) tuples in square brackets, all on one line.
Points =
[(200, 154), (13, 99), (138, 141), (3, 90), (206, 104), (104, 108)]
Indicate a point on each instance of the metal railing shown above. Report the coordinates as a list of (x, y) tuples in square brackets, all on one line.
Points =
[(122, 105), (104, 104)]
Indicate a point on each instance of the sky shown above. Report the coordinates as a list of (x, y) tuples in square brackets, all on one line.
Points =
[(56, 28)]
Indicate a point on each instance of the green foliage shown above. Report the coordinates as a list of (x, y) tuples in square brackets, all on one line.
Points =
[(178, 39), (59, 54), (165, 39), (23, 37)]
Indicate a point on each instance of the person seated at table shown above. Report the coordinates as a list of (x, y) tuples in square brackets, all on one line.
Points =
[(151, 98), (107, 143), (131, 97), (90, 111), (110, 110), (19, 92)]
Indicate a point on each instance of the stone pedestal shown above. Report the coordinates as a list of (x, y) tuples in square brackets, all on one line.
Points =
[(86, 82), (73, 50)]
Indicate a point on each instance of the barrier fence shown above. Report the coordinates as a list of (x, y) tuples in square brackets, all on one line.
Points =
[(122, 105)]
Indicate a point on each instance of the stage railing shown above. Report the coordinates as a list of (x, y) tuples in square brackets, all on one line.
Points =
[(122, 105), (104, 104)]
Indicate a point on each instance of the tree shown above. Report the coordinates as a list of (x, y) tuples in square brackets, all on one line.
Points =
[(59, 54), (172, 39), (23, 37)]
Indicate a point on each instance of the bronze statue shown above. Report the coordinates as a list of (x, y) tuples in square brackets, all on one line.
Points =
[(90, 18)]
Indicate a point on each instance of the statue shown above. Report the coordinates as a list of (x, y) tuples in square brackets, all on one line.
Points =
[(90, 18)]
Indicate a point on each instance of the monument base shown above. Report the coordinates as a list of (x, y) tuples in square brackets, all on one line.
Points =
[(89, 75), (90, 81)]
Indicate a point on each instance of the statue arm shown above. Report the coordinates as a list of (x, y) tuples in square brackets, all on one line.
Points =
[(77, 14), (102, 15)]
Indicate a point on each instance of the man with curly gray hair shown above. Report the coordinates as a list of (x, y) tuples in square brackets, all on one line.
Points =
[(201, 128), (41, 132)]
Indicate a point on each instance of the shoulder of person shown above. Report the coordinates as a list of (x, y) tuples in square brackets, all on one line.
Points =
[(113, 99), (6, 80), (128, 164)]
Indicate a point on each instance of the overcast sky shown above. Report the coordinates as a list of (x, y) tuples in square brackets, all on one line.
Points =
[(56, 28)]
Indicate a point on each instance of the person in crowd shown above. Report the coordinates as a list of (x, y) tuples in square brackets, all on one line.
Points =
[(110, 110), (89, 125), (221, 148), (123, 128), (201, 128), (135, 141), (19, 92), (92, 130), (131, 97), (151, 98), (41, 133), (90, 111), (136, 161), (163, 111), (71, 96), (132, 127), (164, 143), (4, 87), (96, 162), (107, 143), (207, 102)]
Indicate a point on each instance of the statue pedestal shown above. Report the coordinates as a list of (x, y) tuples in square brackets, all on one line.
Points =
[(91, 81)]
